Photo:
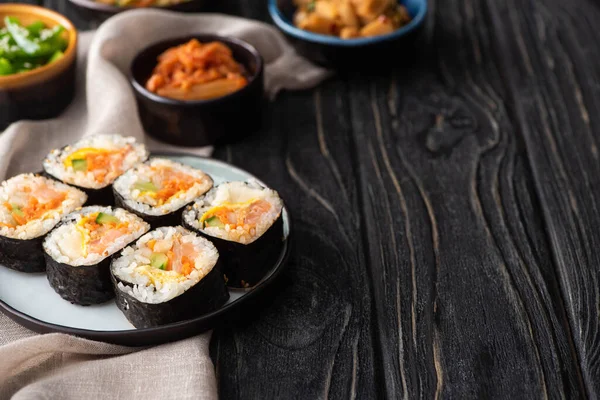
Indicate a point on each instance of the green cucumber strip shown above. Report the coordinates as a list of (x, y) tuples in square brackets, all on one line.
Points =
[(15, 209), (159, 260), (103, 218), (145, 186), (79, 164), (213, 221)]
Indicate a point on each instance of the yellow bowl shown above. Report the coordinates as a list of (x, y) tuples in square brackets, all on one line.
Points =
[(45, 91)]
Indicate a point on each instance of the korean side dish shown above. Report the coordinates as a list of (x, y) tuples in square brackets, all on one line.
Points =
[(24, 48), (141, 3), (349, 19), (166, 247), (197, 71)]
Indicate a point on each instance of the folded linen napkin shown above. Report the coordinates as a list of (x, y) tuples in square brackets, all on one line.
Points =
[(58, 366)]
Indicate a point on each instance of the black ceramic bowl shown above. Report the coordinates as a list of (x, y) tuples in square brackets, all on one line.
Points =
[(91, 10), (332, 51), (200, 123), (43, 92)]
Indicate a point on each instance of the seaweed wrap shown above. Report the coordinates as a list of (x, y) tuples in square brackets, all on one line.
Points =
[(159, 189), (30, 206), (93, 164), (243, 220), (169, 275), (79, 250)]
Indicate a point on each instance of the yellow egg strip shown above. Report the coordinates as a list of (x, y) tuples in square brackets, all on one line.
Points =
[(81, 154), (85, 235), (158, 275), (225, 206)]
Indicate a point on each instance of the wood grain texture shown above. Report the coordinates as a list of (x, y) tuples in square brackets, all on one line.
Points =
[(552, 84), (445, 214)]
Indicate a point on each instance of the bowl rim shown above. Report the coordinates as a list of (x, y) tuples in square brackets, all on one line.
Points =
[(141, 88), (47, 71), (107, 8), (285, 25)]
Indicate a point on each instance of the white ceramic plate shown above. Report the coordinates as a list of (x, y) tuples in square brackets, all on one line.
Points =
[(29, 299)]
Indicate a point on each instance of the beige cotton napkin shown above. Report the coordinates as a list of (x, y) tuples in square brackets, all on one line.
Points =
[(57, 366)]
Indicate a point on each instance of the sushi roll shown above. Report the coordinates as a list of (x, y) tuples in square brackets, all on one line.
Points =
[(243, 220), (169, 275), (78, 252), (159, 189), (30, 206), (93, 164)]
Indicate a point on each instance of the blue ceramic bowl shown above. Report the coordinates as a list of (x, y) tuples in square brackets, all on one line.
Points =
[(347, 53)]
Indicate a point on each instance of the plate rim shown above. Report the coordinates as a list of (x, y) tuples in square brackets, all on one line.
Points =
[(117, 336)]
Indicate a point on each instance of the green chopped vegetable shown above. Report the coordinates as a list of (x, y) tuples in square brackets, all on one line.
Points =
[(16, 209), (56, 56), (103, 218), (23, 66), (79, 164), (159, 260), (213, 221), (21, 36), (145, 186), (5, 67), (35, 28), (25, 48), (311, 6), (51, 41)]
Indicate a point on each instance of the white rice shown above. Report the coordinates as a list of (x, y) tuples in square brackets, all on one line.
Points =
[(54, 162), (12, 192), (135, 258), (148, 205), (235, 192), (64, 244)]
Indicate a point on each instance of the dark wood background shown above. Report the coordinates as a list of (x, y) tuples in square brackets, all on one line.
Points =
[(446, 217)]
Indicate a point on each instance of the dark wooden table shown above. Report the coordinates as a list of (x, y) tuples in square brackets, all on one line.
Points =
[(447, 217)]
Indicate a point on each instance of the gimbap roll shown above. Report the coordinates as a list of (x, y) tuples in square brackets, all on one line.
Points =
[(169, 275), (243, 220), (93, 164), (78, 252), (30, 206), (159, 189)]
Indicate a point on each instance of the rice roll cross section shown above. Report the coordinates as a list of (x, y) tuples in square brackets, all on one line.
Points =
[(243, 219), (30, 206), (79, 250), (159, 189), (169, 275), (93, 164)]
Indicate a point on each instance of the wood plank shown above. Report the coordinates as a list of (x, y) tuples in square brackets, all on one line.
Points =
[(464, 294), (315, 337), (550, 64), (465, 297)]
